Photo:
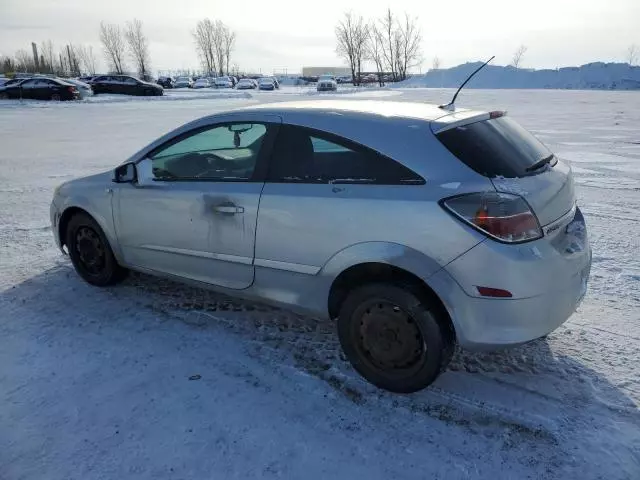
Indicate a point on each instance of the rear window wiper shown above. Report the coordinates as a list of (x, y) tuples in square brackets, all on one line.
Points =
[(540, 163)]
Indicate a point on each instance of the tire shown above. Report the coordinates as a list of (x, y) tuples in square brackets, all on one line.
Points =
[(392, 338), (91, 253), (3, 96), (56, 97)]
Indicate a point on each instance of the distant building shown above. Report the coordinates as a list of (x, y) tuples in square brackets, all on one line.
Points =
[(316, 71)]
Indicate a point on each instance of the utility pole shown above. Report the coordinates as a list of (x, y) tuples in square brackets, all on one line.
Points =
[(71, 66), (36, 60)]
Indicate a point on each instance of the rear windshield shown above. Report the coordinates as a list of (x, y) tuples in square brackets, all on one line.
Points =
[(496, 147)]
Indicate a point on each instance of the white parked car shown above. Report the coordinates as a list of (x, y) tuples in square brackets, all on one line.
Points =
[(266, 83), (83, 88), (183, 82), (327, 83), (223, 82), (246, 84), (202, 83)]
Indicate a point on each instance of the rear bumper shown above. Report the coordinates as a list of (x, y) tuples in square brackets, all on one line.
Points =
[(547, 279), (492, 323)]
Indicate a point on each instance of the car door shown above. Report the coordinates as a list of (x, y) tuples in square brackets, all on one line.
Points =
[(324, 193), (28, 89), (193, 211), (110, 84), (48, 88), (129, 86)]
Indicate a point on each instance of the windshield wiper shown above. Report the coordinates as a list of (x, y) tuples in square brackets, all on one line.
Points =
[(540, 163)]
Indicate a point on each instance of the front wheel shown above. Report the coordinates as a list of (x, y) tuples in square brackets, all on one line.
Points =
[(3, 96), (392, 337), (56, 97), (91, 253)]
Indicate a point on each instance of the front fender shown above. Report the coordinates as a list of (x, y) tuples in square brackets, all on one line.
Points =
[(99, 206)]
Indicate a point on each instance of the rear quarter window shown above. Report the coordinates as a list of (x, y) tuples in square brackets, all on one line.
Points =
[(494, 148)]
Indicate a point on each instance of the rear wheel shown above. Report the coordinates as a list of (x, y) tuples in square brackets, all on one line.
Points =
[(393, 338), (3, 96), (91, 253)]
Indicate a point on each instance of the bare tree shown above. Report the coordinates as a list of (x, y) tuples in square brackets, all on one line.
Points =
[(87, 59), (352, 37), (48, 54), (229, 42), (517, 56), (138, 46), (374, 50), (220, 33), (7, 64), (204, 35), (408, 51), (24, 61), (73, 59), (436, 63), (632, 54), (113, 45)]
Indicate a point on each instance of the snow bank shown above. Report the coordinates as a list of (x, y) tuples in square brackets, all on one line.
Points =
[(607, 76)]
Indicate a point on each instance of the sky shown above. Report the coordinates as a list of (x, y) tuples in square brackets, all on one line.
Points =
[(284, 35)]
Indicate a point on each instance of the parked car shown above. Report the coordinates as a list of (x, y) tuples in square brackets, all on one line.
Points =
[(266, 83), (246, 84), (124, 84), (482, 245), (202, 83), (3, 80), (40, 88), (87, 78), (327, 83), (223, 82), (84, 89), (165, 82), (183, 82)]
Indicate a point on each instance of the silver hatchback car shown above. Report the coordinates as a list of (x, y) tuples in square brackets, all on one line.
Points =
[(415, 227)]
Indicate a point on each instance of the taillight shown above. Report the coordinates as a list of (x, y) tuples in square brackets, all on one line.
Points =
[(502, 216), (72, 89)]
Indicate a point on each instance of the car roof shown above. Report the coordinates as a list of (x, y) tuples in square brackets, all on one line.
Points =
[(358, 108)]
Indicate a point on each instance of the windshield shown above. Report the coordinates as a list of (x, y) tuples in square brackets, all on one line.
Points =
[(500, 147)]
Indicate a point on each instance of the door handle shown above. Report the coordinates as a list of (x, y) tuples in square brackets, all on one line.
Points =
[(228, 209)]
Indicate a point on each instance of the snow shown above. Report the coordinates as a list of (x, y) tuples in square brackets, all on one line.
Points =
[(156, 380), (598, 75)]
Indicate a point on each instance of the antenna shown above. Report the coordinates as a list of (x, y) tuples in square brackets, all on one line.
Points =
[(451, 105)]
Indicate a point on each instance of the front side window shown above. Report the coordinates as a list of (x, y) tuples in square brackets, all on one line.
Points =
[(303, 155), (222, 153), (129, 81), (29, 84)]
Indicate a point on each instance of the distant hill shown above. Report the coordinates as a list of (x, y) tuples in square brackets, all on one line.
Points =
[(598, 75)]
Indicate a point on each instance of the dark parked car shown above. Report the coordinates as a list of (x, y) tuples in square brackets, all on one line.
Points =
[(165, 82), (124, 84), (40, 88)]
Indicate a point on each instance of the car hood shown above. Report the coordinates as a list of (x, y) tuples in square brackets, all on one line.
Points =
[(91, 182)]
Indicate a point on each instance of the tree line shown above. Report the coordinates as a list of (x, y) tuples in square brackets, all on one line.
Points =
[(392, 43), (214, 42)]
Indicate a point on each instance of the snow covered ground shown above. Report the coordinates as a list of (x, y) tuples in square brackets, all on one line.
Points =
[(155, 380)]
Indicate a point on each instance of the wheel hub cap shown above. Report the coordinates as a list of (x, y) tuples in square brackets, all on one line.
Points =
[(90, 249), (390, 337)]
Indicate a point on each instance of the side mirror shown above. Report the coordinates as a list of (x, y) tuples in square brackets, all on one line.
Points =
[(126, 173)]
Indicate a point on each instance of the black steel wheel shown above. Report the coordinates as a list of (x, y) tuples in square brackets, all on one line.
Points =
[(392, 338), (56, 97), (91, 253)]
